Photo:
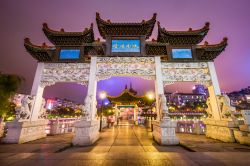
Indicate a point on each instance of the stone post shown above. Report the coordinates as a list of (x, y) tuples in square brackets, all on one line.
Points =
[(163, 127), (135, 114), (87, 128)]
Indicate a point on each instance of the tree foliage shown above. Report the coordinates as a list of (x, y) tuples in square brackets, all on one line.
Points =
[(9, 84), (106, 110), (66, 112)]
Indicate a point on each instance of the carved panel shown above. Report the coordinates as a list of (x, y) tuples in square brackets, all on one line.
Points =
[(184, 72), (135, 60), (125, 66), (65, 72)]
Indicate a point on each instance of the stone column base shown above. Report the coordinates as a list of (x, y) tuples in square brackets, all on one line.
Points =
[(164, 132), (243, 137), (220, 129), (86, 132), (25, 131)]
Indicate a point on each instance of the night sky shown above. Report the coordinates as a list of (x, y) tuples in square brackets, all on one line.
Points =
[(228, 18)]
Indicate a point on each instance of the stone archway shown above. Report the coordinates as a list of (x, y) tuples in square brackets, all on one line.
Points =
[(200, 72), (48, 74)]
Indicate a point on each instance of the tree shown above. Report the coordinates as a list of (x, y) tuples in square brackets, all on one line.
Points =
[(9, 83), (106, 110)]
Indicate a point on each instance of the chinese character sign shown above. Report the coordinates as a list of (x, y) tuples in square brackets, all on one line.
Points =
[(181, 53), (125, 45)]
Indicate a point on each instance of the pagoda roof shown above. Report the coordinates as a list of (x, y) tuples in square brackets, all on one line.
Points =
[(62, 38), (210, 52), (42, 53), (126, 97), (107, 28), (190, 37)]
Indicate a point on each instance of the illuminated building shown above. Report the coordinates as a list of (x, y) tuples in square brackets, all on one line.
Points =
[(182, 98), (200, 89), (52, 103), (238, 97)]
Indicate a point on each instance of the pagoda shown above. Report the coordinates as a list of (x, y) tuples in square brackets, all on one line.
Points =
[(126, 97), (128, 103)]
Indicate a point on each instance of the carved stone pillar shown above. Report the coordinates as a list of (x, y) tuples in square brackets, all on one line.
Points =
[(92, 85), (87, 129), (218, 127), (214, 90), (159, 87), (163, 128), (38, 98)]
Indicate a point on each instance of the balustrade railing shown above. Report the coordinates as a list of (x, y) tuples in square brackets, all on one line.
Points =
[(190, 126), (60, 126)]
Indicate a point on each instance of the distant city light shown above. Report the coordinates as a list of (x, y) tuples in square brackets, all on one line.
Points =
[(50, 104)]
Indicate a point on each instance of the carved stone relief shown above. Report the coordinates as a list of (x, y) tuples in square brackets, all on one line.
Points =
[(65, 72), (143, 67), (23, 109), (136, 60), (186, 72)]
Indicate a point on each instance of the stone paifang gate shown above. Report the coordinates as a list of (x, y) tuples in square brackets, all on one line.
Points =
[(77, 57)]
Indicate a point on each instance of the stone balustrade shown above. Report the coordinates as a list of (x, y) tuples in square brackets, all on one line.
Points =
[(190, 126), (60, 126)]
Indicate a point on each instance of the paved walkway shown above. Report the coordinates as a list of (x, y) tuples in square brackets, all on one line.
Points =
[(125, 145)]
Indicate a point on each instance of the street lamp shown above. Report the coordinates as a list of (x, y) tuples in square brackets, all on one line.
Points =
[(102, 96), (150, 96)]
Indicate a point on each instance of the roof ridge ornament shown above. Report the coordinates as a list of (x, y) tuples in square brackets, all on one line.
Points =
[(222, 43), (27, 40), (44, 45), (207, 24), (42, 53), (225, 39)]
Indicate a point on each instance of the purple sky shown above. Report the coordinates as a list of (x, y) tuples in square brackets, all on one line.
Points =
[(230, 18)]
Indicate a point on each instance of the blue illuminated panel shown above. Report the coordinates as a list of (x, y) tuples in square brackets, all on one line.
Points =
[(181, 53), (70, 54), (125, 46)]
